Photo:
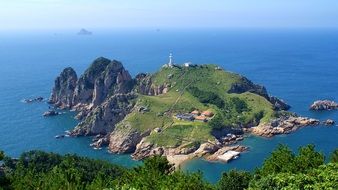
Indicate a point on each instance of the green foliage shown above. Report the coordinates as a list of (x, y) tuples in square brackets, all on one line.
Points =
[(40, 170), (323, 177), (234, 180), (157, 173), (308, 158), (282, 170), (207, 97), (283, 160), (217, 122), (238, 104), (334, 156)]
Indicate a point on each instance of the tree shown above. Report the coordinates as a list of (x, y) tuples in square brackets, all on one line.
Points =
[(308, 158), (281, 160), (334, 156), (234, 180)]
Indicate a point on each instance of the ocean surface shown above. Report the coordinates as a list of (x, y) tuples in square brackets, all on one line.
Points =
[(299, 66)]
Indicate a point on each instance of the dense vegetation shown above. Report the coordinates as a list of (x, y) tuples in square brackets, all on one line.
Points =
[(282, 170)]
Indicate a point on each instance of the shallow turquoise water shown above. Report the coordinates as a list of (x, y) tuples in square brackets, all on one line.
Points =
[(297, 65)]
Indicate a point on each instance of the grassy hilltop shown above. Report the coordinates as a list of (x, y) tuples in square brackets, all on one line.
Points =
[(204, 87)]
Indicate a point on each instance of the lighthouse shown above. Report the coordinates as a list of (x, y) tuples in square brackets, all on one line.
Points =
[(171, 61)]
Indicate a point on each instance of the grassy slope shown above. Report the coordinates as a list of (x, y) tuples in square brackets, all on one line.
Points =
[(178, 100)]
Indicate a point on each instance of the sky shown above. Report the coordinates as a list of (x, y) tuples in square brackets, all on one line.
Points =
[(71, 14)]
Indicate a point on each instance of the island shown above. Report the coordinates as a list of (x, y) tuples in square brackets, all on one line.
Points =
[(84, 32), (180, 112)]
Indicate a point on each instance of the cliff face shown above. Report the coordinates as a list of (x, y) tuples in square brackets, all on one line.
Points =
[(145, 86), (103, 118), (101, 95), (63, 91), (101, 79)]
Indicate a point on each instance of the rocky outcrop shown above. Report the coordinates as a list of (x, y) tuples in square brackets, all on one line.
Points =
[(102, 79), (278, 104), (63, 91), (50, 113), (99, 141), (324, 105), (125, 139), (31, 100), (245, 85), (283, 125), (146, 86), (328, 122), (103, 118)]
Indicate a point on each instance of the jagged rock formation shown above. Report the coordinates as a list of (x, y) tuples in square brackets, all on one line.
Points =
[(146, 86), (125, 138), (101, 95), (102, 78), (63, 91), (102, 119), (324, 105)]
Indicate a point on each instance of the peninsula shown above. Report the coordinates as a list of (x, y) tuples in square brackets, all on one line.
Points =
[(181, 111)]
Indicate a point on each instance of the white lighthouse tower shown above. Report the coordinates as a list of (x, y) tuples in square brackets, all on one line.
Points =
[(171, 60)]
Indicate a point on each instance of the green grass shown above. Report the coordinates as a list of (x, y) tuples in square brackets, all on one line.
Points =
[(182, 133), (163, 107)]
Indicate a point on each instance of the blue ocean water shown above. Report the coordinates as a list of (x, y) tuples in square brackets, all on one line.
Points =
[(299, 66)]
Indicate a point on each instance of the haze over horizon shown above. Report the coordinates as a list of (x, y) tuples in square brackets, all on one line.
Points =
[(96, 14)]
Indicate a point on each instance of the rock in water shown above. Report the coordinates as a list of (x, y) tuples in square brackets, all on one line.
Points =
[(324, 105), (329, 122), (50, 113), (31, 100), (63, 91)]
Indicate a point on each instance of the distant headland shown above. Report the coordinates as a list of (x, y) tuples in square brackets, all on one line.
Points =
[(84, 32)]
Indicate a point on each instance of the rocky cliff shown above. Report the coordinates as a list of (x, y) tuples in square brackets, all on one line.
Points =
[(103, 118), (63, 91), (146, 86), (103, 78)]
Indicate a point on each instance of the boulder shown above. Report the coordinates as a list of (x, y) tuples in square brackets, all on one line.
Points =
[(324, 105), (50, 113), (329, 122)]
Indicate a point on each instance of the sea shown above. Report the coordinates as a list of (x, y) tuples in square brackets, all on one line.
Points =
[(296, 65)]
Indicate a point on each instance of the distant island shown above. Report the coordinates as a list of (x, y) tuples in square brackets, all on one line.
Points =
[(181, 112), (84, 32)]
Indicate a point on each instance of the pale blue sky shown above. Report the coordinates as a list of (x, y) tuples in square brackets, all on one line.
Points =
[(71, 14)]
